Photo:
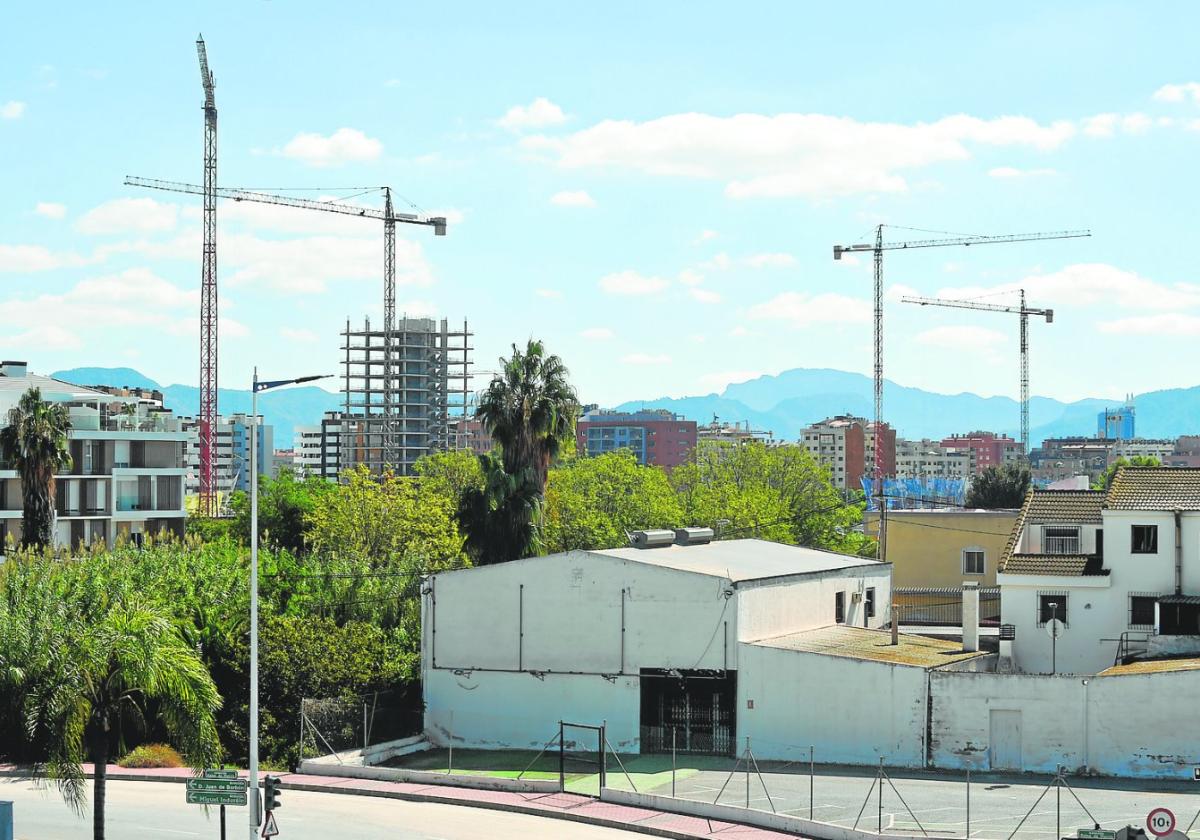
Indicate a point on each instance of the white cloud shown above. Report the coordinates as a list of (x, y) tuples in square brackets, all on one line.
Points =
[(849, 260), (896, 291), (1106, 125), (646, 359), (50, 210), (346, 145), (35, 258), (740, 332), (417, 309), (298, 336), (1092, 284), (719, 262), (1013, 172), (12, 110), (597, 333), (1179, 93), (306, 265), (691, 277), (961, 338), (572, 198), (550, 294), (770, 261), (540, 112), (632, 283), (704, 295), (814, 155), (47, 337), (801, 309), (129, 215), (1164, 324), (705, 236)]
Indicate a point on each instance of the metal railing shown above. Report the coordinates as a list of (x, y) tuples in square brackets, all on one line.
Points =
[(942, 606)]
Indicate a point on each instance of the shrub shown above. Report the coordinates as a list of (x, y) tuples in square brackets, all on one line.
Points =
[(152, 755)]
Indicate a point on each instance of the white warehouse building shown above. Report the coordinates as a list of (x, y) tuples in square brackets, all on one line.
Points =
[(706, 638)]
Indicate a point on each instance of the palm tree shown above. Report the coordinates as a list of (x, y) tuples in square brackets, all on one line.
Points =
[(134, 654), (530, 411), (35, 441)]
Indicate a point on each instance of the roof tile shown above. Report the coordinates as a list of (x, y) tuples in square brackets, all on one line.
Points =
[(1154, 488)]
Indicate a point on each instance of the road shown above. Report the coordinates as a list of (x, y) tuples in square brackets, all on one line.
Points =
[(140, 810)]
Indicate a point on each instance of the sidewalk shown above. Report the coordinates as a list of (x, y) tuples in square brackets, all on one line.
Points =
[(565, 806)]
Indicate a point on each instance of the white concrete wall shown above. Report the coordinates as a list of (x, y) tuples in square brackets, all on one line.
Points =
[(851, 711), (1095, 611), (1127, 725), (767, 609)]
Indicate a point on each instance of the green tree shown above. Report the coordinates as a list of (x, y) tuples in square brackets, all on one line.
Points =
[(35, 442), (450, 474), (1105, 479), (997, 487), (284, 505), (594, 502), (530, 411), (772, 493)]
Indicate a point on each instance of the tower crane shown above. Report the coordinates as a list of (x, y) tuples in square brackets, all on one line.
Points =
[(1023, 312), (389, 218), (877, 248), (208, 294)]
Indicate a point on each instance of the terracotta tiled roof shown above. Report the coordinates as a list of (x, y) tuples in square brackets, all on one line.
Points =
[(1053, 506), (1154, 488), (1063, 565)]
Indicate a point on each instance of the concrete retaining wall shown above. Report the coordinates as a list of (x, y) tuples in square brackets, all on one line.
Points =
[(729, 813)]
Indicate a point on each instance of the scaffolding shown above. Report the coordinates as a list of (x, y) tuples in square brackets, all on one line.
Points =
[(406, 403)]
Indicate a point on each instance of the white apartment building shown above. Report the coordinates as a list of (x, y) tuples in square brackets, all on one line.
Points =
[(1144, 448), (1120, 568), (929, 459), (232, 437), (838, 443), (318, 448), (127, 473)]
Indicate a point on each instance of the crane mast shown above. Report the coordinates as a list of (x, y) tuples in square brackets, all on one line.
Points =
[(877, 248), (389, 218), (208, 296), (1023, 312)]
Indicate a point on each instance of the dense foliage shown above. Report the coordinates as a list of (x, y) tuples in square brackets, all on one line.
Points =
[(999, 487)]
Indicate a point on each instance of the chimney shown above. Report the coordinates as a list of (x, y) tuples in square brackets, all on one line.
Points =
[(13, 369), (970, 616)]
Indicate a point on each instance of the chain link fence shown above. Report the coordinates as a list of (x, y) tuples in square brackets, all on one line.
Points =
[(343, 726)]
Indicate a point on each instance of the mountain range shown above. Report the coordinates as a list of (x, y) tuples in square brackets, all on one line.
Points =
[(794, 399), (283, 409), (783, 404)]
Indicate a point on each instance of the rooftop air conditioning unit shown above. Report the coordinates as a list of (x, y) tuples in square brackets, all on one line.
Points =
[(693, 536), (652, 539)]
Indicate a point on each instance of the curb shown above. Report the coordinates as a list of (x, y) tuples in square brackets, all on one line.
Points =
[(602, 822)]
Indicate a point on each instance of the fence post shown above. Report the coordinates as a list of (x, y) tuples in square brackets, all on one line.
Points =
[(365, 738), (810, 781), (1058, 803), (747, 772), (968, 801), (880, 778), (562, 759), (603, 752), (672, 762), (450, 743)]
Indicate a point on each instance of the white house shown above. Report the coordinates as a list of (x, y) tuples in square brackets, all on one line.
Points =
[(127, 475), (1120, 569), (715, 641)]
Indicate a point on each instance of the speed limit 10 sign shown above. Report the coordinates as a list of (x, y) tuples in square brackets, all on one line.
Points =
[(1160, 822)]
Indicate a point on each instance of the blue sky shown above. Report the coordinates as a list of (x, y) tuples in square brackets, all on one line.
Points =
[(653, 189)]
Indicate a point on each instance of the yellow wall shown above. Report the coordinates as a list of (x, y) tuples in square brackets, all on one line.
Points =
[(926, 546)]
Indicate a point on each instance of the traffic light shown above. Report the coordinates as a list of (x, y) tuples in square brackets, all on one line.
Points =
[(270, 793)]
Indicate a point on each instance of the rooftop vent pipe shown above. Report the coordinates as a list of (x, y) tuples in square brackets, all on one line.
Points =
[(693, 536), (652, 539)]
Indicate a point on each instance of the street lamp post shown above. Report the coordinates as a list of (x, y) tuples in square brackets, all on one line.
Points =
[(255, 816), (1054, 638)]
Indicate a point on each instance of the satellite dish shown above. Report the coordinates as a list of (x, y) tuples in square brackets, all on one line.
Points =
[(1055, 627)]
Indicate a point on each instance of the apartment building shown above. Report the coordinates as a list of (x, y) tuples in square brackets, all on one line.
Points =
[(318, 448), (735, 433), (232, 452), (924, 459), (1060, 458), (846, 445), (988, 448), (126, 479), (654, 436)]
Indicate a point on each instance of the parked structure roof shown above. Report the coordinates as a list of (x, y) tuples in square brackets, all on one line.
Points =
[(1152, 666), (1154, 488), (872, 645), (741, 560)]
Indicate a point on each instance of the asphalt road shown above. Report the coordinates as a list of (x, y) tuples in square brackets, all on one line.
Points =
[(938, 801), (141, 810)]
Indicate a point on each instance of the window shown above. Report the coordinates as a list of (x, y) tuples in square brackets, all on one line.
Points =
[(973, 561), (1143, 539), (1141, 611), (839, 607), (1052, 605), (870, 602), (1060, 539)]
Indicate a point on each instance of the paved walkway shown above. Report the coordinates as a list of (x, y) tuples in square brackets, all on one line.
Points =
[(566, 806)]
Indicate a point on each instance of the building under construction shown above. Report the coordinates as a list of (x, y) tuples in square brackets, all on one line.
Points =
[(404, 393)]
